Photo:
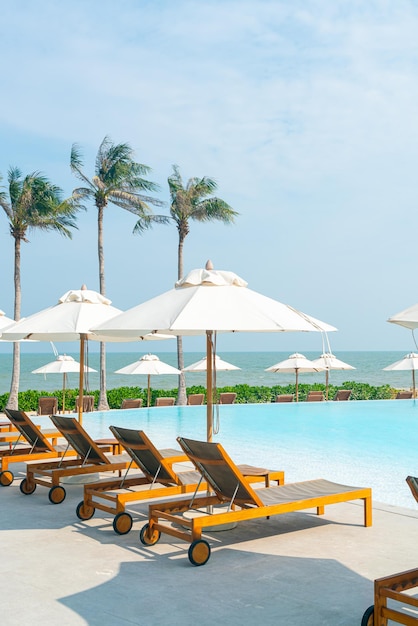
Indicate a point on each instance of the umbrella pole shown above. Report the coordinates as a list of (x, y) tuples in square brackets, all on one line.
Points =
[(149, 389), (209, 399), (297, 386), (64, 379), (81, 379), (413, 383), (326, 383)]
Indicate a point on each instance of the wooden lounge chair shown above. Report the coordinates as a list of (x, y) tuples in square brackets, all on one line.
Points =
[(165, 401), (227, 397), (404, 395), (158, 474), (404, 607), (31, 444), (243, 502), (195, 398), (285, 397), (90, 460), (47, 405), (88, 404), (315, 396), (131, 403), (342, 394)]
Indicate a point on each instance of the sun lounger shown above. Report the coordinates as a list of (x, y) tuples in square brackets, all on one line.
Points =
[(88, 404), (164, 401), (237, 500), (315, 396), (342, 394), (195, 399), (31, 444), (131, 403), (404, 395), (159, 477), (285, 397), (403, 607), (227, 397), (90, 459), (47, 405)]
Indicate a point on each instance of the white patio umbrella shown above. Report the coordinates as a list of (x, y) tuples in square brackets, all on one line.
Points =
[(218, 365), (70, 319), (407, 318), (5, 321), (409, 362), (328, 361), (148, 365), (297, 363), (63, 364), (207, 301)]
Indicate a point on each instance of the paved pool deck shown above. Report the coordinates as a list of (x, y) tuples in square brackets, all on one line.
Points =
[(290, 570)]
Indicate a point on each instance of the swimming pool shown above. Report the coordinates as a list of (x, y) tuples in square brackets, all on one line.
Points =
[(362, 443)]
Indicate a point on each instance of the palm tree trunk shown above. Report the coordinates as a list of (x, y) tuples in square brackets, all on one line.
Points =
[(13, 400), (103, 403), (182, 392)]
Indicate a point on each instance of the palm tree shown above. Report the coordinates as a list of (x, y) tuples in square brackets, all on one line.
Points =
[(118, 179), (32, 203), (193, 202)]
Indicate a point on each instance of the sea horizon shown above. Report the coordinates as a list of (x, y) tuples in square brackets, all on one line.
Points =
[(368, 369)]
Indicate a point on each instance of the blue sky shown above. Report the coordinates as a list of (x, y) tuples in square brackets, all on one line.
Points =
[(304, 112)]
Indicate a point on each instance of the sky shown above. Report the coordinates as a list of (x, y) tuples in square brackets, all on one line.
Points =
[(304, 113)]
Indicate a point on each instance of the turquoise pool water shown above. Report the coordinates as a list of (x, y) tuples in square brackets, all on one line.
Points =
[(362, 443)]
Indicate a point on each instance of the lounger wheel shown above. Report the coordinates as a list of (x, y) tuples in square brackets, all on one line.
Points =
[(57, 494), (26, 487), (199, 552), (6, 478), (146, 539), (122, 523), (84, 511), (368, 617)]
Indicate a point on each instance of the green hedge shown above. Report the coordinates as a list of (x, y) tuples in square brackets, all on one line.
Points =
[(28, 400)]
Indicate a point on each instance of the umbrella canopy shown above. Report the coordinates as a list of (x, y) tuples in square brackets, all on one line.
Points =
[(5, 321), (70, 319), (295, 363), (149, 365), (409, 362), (208, 301), (63, 364), (218, 365), (328, 361), (407, 318)]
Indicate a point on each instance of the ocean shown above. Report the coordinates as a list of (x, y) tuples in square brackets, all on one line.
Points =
[(368, 369)]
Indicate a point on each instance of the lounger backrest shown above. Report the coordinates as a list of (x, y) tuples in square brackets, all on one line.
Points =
[(227, 397), (29, 430), (78, 439), (164, 401), (131, 403), (195, 398), (211, 460), (88, 403), (47, 405), (145, 455), (285, 397), (342, 394), (404, 395)]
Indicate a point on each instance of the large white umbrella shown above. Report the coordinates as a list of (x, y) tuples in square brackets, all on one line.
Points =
[(407, 318), (64, 364), (328, 361), (5, 321), (218, 365), (149, 365), (409, 362), (70, 319), (207, 301), (297, 363)]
